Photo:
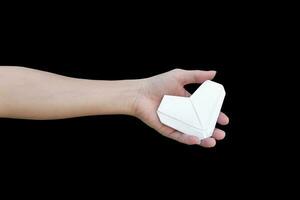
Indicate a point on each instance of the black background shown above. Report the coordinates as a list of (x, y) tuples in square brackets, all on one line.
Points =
[(114, 45), (120, 144)]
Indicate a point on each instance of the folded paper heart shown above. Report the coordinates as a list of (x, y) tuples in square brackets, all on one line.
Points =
[(195, 115)]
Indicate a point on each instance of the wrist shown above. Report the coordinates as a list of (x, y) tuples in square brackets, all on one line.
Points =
[(133, 95), (129, 95), (108, 97)]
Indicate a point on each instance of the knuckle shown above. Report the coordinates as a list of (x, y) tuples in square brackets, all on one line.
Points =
[(177, 70)]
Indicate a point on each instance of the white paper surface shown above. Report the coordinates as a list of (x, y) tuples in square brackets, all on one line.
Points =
[(195, 115)]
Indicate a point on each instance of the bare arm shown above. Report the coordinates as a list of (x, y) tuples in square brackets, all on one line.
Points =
[(32, 94)]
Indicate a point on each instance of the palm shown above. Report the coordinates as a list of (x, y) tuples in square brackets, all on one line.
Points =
[(153, 90)]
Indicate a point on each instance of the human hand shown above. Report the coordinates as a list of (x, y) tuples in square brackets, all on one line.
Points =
[(151, 91), (50, 96)]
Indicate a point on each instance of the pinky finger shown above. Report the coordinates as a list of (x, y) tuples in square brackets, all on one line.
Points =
[(183, 138)]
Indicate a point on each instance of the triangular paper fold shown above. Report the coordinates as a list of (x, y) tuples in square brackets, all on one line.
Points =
[(195, 115)]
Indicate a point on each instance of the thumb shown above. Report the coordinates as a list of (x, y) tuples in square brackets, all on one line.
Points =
[(196, 76)]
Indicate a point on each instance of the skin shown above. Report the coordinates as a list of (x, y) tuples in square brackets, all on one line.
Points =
[(32, 94)]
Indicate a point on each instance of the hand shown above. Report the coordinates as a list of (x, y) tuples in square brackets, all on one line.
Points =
[(151, 92)]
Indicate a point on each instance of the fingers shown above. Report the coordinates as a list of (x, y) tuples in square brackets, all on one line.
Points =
[(211, 142), (191, 140), (175, 135), (193, 76), (208, 142), (218, 134), (223, 119), (180, 137)]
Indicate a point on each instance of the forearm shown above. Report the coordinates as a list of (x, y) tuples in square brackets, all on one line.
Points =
[(32, 94)]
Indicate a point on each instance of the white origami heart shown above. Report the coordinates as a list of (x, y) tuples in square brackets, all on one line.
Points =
[(195, 115)]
